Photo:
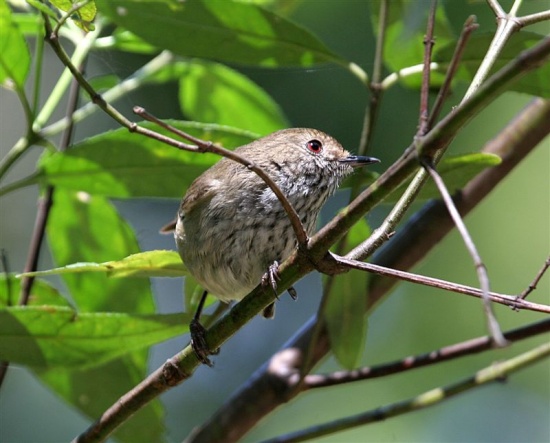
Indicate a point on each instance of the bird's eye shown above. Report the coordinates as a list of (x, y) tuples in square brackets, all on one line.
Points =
[(315, 146)]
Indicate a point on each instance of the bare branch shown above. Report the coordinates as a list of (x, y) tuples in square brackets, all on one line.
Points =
[(495, 6), (507, 300), (429, 42), (469, 26), (495, 372), (468, 347), (532, 286), (481, 270)]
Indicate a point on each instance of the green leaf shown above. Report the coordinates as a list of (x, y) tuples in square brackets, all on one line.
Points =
[(122, 164), (42, 293), (82, 228), (83, 16), (56, 336), (346, 306), (214, 93), (456, 172), (92, 390), (15, 58), (125, 41), (143, 264), (220, 30), (29, 24), (534, 83), (86, 228), (103, 83), (406, 28)]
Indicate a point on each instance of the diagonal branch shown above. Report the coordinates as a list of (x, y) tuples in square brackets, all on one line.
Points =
[(468, 347), (493, 373)]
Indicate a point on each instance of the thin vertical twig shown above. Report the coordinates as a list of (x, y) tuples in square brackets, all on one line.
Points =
[(481, 270), (371, 112), (469, 26), (429, 42)]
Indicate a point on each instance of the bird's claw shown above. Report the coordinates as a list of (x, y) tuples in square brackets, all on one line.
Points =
[(271, 277), (198, 342)]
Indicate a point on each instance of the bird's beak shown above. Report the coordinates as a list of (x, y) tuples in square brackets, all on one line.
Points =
[(356, 161)]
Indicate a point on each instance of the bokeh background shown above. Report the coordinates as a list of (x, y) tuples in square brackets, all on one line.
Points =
[(511, 229)]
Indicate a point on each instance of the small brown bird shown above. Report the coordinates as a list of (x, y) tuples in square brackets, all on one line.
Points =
[(231, 227)]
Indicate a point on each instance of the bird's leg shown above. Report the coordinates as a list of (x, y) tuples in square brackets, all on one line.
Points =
[(198, 334), (271, 277)]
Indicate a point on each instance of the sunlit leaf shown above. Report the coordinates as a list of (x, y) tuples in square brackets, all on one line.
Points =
[(55, 336), (214, 93), (42, 293), (82, 16), (143, 264), (80, 388), (123, 164), (14, 53), (220, 30)]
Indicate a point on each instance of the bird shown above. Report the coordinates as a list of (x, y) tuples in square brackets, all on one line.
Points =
[(231, 228)]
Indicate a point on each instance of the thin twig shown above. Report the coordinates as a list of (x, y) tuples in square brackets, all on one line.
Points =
[(384, 231), (507, 24), (204, 146), (494, 328), (469, 26), (503, 299), (533, 285), (129, 84), (495, 6), (468, 347), (429, 42), (534, 18), (371, 112), (495, 372)]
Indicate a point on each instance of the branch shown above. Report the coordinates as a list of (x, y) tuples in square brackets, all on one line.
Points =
[(496, 372), (481, 269), (532, 286), (429, 43), (376, 90), (514, 301), (469, 347)]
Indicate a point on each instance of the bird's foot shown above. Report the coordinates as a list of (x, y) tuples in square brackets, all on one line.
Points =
[(198, 342), (271, 277)]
